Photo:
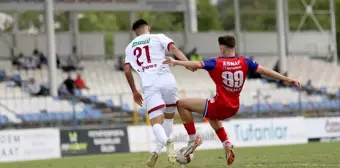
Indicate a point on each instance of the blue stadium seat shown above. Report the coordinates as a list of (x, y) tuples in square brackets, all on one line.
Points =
[(255, 108), (77, 92), (58, 116), (277, 106), (95, 113), (294, 106), (306, 105), (264, 107), (125, 107), (109, 103), (3, 120), (81, 115), (242, 109), (142, 111), (335, 103), (94, 98), (67, 116)]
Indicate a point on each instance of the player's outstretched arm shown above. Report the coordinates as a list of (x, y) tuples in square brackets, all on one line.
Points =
[(129, 77), (272, 74), (177, 52), (188, 64)]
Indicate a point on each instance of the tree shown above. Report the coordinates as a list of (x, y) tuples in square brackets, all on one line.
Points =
[(207, 16)]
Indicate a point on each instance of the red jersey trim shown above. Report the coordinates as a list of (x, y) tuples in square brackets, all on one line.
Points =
[(170, 45), (171, 105), (202, 64), (156, 108)]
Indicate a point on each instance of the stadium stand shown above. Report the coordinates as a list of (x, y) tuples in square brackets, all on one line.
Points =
[(109, 94)]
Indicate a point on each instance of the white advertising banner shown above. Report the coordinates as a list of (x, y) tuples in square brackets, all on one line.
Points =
[(245, 132), (141, 138), (271, 131), (30, 144), (323, 127)]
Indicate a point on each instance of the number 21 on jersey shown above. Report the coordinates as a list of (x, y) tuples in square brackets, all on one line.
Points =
[(139, 51), (233, 79)]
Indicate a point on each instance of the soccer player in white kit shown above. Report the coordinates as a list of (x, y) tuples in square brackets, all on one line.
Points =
[(145, 55)]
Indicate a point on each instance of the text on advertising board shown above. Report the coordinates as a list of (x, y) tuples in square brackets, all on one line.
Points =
[(29, 144), (94, 141), (332, 126), (251, 132), (9, 140)]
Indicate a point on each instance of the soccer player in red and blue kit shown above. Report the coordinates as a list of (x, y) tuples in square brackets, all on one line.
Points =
[(229, 74)]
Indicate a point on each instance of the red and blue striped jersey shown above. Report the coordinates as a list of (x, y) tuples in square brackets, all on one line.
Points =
[(229, 75)]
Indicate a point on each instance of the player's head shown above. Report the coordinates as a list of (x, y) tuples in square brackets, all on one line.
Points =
[(140, 26), (227, 45)]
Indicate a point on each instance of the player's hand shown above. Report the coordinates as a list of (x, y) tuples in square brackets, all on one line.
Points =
[(170, 61), (192, 70), (138, 98), (293, 82)]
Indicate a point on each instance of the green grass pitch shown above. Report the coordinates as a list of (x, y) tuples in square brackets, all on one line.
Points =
[(313, 155)]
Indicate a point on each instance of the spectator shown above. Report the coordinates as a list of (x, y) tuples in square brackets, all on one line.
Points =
[(193, 56), (34, 89), (120, 64), (80, 84), (18, 61), (253, 75), (72, 61), (58, 61), (2, 75), (16, 79), (30, 63), (69, 83), (42, 59), (309, 87), (337, 94), (35, 52), (309, 84), (36, 58)]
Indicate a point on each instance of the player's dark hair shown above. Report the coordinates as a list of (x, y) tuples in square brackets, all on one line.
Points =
[(228, 40), (138, 24)]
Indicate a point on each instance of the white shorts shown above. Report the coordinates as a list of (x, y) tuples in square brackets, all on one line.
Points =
[(161, 95)]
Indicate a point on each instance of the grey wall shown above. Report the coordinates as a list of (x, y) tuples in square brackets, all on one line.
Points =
[(253, 43), (90, 44)]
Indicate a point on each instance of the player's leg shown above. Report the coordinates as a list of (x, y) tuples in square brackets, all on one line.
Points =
[(168, 127), (185, 108), (155, 107), (222, 135), (170, 97)]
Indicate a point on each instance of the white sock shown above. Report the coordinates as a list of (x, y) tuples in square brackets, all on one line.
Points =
[(192, 137), (159, 132), (168, 126), (224, 143), (159, 147)]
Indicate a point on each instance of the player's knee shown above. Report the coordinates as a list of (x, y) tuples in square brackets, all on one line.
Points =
[(181, 103), (156, 116), (170, 110), (169, 115)]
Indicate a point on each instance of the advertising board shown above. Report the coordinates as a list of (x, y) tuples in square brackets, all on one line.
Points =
[(93, 141), (29, 144), (241, 132), (323, 127)]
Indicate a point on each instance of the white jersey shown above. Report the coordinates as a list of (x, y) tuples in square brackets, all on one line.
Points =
[(145, 54)]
